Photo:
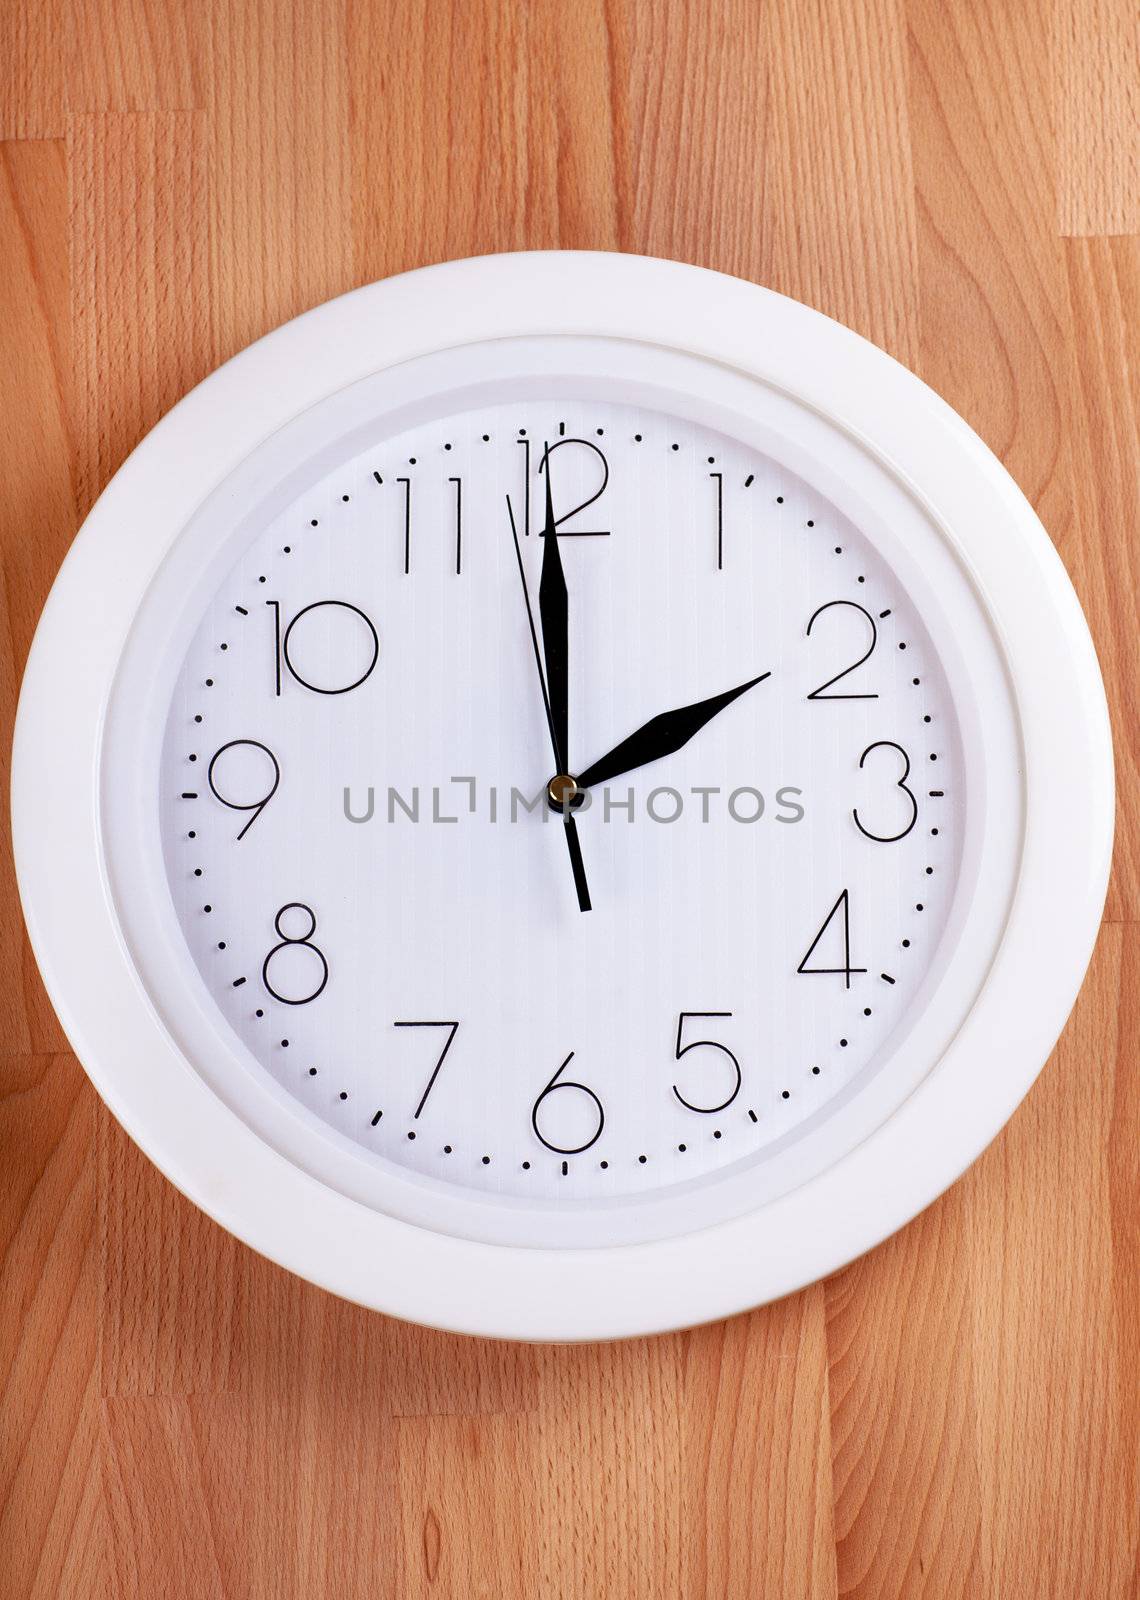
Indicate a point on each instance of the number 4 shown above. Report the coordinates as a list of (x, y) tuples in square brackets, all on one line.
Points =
[(841, 905)]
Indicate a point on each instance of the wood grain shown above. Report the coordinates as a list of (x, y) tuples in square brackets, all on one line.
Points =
[(957, 1413), (1096, 62)]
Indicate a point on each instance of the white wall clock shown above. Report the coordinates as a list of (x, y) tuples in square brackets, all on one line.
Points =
[(792, 643)]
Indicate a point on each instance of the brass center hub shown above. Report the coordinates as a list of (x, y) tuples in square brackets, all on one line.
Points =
[(562, 790)]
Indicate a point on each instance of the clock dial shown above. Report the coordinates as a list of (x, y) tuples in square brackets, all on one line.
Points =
[(735, 920), (544, 796)]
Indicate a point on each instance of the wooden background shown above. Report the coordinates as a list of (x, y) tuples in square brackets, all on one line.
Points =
[(956, 1414)]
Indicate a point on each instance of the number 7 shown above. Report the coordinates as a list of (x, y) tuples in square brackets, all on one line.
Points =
[(453, 1028)]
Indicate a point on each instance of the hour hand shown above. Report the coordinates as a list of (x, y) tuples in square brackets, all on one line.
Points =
[(661, 736)]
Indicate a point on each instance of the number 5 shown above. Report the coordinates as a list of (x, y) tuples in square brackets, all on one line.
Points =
[(706, 1044)]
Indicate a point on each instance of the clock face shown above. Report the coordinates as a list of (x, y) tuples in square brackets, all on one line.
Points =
[(747, 911), (555, 753)]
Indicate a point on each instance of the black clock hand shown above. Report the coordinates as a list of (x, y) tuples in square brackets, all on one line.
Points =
[(553, 608), (661, 735), (570, 826)]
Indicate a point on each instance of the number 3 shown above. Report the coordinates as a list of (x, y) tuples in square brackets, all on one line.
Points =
[(890, 838)]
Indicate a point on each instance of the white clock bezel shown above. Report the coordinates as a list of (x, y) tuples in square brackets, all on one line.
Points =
[(534, 1292)]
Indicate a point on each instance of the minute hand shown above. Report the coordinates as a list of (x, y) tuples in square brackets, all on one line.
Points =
[(553, 607), (661, 735)]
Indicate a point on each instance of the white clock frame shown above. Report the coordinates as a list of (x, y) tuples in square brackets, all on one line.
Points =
[(410, 1268)]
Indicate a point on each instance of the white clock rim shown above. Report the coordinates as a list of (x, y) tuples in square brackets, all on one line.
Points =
[(523, 1292)]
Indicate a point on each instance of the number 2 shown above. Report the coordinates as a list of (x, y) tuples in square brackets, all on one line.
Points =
[(819, 694)]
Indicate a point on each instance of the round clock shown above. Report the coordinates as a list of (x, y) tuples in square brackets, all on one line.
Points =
[(562, 795)]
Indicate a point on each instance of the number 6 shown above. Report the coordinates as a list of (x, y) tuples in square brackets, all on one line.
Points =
[(554, 1087)]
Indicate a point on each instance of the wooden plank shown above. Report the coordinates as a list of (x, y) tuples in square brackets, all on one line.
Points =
[(839, 186), (49, 1467), (757, 1491), (37, 509), (908, 1506), (1053, 1340), (450, 1476), (138, 239), (690, 86), (161, 1536), (1096, 66), (1103, 278), (606, 1455), (439, 172), (171, 1315), (137, 55), (995, 321), (444, 1374), (280, 204), (33, 70), (49, 1463)]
